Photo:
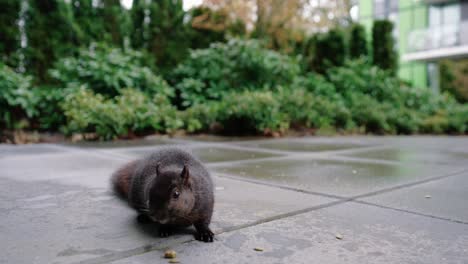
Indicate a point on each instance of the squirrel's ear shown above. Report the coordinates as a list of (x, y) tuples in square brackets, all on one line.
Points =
[(185, 174)]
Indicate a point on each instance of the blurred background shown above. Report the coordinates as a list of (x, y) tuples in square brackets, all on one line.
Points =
[(108, 69)]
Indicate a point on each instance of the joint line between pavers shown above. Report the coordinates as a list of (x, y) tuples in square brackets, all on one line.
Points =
[(324, 155), (355, 198), (410, 212), (411, 184), (283, 187), (149, 248)]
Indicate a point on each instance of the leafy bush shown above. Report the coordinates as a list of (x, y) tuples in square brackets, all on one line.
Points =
[(234, 66), (330, 50), (207, 26), (383, 46), (201, 117), (358, 41), (251, 112), (306, 109), (316, 84), (453, 78), (17, 100), (131, 112), (108, 70), (48, 114), (358, 76)]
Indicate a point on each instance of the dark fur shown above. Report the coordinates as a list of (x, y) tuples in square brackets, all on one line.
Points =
[(149, 185)]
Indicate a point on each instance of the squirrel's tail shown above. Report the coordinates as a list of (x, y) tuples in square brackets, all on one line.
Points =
[(121, 179)]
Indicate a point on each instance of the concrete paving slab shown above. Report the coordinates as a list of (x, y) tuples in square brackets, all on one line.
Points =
[(240, 203), (335, 177), (20, 150), (207, 154), (76, 218), (445, 198), (300, 145), (216, 138), (457, 143), (55, 204), (54, 166), (152, 141), (369, 235), (415, 155)]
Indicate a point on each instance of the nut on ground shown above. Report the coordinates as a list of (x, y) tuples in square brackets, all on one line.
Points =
[(170, 254)]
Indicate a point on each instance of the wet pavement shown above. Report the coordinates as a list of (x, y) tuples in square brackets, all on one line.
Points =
[(297, 200)]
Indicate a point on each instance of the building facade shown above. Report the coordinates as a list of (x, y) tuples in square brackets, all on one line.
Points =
[(426, 31)]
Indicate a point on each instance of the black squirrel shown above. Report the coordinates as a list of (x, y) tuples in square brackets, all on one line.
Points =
[(170, 187)]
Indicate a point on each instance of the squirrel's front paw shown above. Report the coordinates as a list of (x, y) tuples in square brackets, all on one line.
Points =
[(165, 231), (205, 235)]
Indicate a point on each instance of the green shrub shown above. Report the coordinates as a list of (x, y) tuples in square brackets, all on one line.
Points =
[(383, 46), (108, 70), (435, 124), (251, 113), (454, 78), (227, 67), (458, 119), (317, 85), (17, 100), (330, 50), (207, 26), (358, 42), (200, 117), (49, 115), (369, 114), (131, 112), (448, 117), (358, 76), (306, 109)]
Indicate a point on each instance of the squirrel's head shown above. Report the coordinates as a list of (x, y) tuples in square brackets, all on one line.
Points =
[(170, 194)]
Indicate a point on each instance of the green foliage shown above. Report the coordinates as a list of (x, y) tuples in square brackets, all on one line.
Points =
[(89, 20), (108, 70), (131, 112), (16, 98), (237, 28), (9, 37), (251, 112), (330, 50), (307, 109), (233, 66), (48, 114), (358, 76), (51, 34), (358, 41), (165, 36), (207, 26), (454, 78), (140, 32), (383, 46), (114, 17), (200, 117)]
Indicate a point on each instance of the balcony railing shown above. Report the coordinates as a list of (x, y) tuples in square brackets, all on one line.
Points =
[(438, 37)]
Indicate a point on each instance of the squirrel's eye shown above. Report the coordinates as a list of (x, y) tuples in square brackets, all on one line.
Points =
[(175, 194)]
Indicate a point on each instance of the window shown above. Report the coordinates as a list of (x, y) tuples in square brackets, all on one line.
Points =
[(383, 9), (444, 14), (444, 21)]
